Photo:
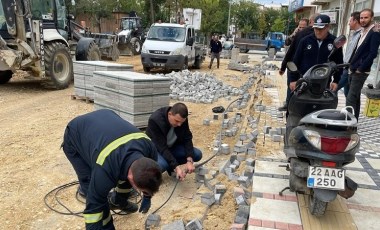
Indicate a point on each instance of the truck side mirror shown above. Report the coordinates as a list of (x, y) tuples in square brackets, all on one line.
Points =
[(71, 17), (190, 41), (340, 41)]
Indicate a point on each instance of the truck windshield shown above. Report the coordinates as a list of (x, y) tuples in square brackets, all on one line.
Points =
[(173, 34), (42, 9), (128, 23), (2, 18)]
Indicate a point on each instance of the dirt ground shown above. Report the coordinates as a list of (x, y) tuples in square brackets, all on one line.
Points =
[(32, 122)]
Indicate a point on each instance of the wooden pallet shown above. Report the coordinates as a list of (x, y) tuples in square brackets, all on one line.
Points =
[(83, 98)]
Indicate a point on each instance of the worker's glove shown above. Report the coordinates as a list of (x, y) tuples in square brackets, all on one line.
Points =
[(145, 204)]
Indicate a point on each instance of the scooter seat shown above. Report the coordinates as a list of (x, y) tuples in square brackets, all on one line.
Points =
[(333, 115)]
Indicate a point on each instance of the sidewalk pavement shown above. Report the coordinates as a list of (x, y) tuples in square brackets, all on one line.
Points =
[(272, 211)]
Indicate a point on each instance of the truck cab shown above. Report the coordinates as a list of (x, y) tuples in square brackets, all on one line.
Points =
[(170, 46), (275, 40)]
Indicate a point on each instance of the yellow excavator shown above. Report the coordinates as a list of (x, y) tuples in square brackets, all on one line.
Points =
[(37, 36)]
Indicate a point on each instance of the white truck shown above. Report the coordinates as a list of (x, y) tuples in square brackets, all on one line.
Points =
[(171, 46)]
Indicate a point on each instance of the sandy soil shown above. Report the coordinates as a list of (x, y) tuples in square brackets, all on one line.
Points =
[(32, 121)]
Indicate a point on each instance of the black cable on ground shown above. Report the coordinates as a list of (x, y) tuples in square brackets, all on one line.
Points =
[(58, 189), (55, 191)]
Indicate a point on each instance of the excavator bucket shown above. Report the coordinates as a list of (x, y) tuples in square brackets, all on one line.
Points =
[(8, 60)]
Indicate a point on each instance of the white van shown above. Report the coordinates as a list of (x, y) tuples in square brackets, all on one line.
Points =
[(171, 46)]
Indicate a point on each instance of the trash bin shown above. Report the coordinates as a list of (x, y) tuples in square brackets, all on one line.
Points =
[(372, 105)]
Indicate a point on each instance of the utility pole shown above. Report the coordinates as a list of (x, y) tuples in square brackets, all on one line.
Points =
[(229, 17), (151, 11)]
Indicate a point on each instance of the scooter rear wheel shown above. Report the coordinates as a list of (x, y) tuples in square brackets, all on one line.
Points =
[(316, 206)]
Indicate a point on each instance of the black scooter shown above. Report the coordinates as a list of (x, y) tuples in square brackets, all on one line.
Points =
[(319, 139)]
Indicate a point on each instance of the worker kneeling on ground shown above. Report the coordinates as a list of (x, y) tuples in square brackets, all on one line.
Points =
[(108, 152), (168, 127)]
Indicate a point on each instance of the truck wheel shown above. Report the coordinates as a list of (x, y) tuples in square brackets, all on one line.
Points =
[(58, 65), (197, 62), (93, 52), (5, 76), (185, 64), (136, 46), (146, 69), (316, 206)]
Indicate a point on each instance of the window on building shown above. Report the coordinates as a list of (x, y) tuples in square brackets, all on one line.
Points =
[(362, 4)]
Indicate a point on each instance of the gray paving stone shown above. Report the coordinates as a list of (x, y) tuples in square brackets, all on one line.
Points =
[(194, 225), (176, 225)]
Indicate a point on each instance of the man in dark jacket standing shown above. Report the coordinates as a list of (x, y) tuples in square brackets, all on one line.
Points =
[(216, 48), (290, 54), (361, 60), (168, 127), (108, 152)]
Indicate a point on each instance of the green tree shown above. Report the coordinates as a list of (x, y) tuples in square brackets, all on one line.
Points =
[(278, 26), (246, 14), (214, 14), (262, 24)]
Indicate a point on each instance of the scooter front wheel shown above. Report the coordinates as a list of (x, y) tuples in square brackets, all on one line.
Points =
[(316, 206)]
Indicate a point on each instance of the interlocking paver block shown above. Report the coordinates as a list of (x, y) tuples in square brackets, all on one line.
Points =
[(153, 220), (208, 198), (236, 163), (241, 157), (238, 191), (220, 189), (240, 200), (233, 167), (233, 176), (236, 226), (250, 162), (176, 225), (194, 225), (242, 214), (210, 184), (206, 122), (201, 171), (233, 157), (276, 138), (218, 198), (244, 181)]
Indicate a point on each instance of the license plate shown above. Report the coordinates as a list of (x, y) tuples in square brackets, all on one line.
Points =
[(158, 64), (328, 178)]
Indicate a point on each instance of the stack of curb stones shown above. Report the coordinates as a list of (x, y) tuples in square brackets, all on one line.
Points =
[(83, 75), (134, 96)]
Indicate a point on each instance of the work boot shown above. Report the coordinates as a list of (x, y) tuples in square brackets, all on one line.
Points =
[(81, 193), (283, 108), (119, 202)]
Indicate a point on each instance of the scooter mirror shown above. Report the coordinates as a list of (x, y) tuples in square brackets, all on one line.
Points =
[(340, 41), (291, 66)]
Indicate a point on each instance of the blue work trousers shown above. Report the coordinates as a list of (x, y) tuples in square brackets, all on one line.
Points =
[(179, 154)]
